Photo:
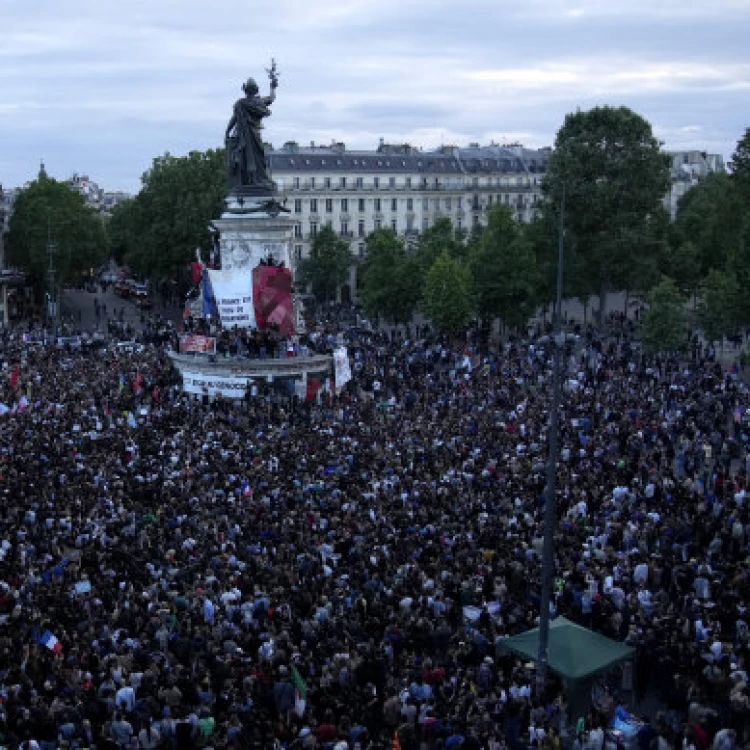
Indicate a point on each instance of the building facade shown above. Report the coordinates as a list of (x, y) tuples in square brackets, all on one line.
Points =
[(402, 188), (687, 170)]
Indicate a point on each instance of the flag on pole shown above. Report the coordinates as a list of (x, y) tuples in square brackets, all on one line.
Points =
[(50, 641), (14, 376), (300, 692), (395, 744)]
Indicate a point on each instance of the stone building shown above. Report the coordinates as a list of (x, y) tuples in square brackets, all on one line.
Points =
[(401, 187)]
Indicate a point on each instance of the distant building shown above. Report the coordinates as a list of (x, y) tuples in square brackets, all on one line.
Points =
[(100, 200), (401, 187), (687, 170)]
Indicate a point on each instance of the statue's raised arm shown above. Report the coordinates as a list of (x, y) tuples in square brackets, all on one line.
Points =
[(246, 159)]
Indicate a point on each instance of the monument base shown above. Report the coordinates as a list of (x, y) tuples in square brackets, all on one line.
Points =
[(254, 229), (231, 377)]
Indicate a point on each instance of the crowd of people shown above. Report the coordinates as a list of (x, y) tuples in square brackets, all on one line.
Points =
[(341, 573)]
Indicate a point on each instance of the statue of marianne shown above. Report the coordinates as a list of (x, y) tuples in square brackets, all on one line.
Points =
[(246, 159)]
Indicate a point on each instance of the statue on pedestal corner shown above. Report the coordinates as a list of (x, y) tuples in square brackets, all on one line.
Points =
[(246, 159)]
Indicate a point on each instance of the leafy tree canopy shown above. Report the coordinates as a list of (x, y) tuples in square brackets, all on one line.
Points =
[(438, 238), (720, 309), (391, 281), (50, 210), (609, 167), (711, 216), (740, 164), (156, 232), (327, 266), (448, 297), (504, 270), (663, 327)]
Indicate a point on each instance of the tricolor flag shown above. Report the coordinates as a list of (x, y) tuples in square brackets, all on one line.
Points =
[(395, 744), (50, 641), (300, 692), (246, 491)]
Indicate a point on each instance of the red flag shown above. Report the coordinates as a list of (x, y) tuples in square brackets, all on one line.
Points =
[(395, 745), (272, 299), (312, 389), (14, 376)]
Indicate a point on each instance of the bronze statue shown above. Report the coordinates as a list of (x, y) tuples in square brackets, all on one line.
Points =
[(246, 159)]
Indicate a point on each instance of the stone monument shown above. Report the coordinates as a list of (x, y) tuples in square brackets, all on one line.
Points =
[(254, 227)]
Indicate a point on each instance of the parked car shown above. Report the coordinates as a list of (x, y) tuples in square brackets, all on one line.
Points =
[(122, 289)]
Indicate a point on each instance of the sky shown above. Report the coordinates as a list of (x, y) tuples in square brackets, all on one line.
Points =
[(102, 88)]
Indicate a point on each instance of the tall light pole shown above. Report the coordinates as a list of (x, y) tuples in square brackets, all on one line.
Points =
[(550, 505), (52, 311)]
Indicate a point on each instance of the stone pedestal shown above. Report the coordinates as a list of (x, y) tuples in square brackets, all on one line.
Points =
[(252, 228)]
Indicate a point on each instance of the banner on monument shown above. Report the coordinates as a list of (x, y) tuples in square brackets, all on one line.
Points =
[(233, 292), (272, 299), (342, 369), (201, 384), (197, 344)]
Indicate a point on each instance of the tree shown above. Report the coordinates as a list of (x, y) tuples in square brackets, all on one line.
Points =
[(613, 176), (663, 328), (327, 266), (719, 313), (711, 216), (436, 239), (504, 270), (740, 164), (156, 232), (447, 297), (391, 280), (682, 263), (50, 210)]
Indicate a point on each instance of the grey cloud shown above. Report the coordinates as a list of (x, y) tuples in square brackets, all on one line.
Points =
[(103, 86)]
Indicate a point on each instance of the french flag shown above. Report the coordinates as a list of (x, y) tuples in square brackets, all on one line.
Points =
[(246, 489), (50, 641)]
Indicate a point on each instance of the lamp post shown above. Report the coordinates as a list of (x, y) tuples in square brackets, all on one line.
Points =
[(52, 311), (550, 506)]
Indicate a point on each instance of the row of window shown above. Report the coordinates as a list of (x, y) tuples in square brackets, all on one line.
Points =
[(390, 182), (438, 203), (362, 230), (361, 205)]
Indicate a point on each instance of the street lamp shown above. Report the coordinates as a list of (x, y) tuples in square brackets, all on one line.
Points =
[(550, 506)]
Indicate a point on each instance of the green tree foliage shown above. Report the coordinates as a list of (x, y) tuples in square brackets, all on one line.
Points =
[(663, 328), (740, 164), (327, 266), (48, 209), (391, 280), (613, 175), (720, 309), (711, 216), (156, 232), (438, 238), (682, 262), (504, 270), (448, 295)]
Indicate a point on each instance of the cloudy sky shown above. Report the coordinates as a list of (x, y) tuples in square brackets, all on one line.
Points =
[(101, 87)]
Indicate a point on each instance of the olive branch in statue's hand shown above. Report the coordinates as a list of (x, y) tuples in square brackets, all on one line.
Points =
[(273, 74)]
